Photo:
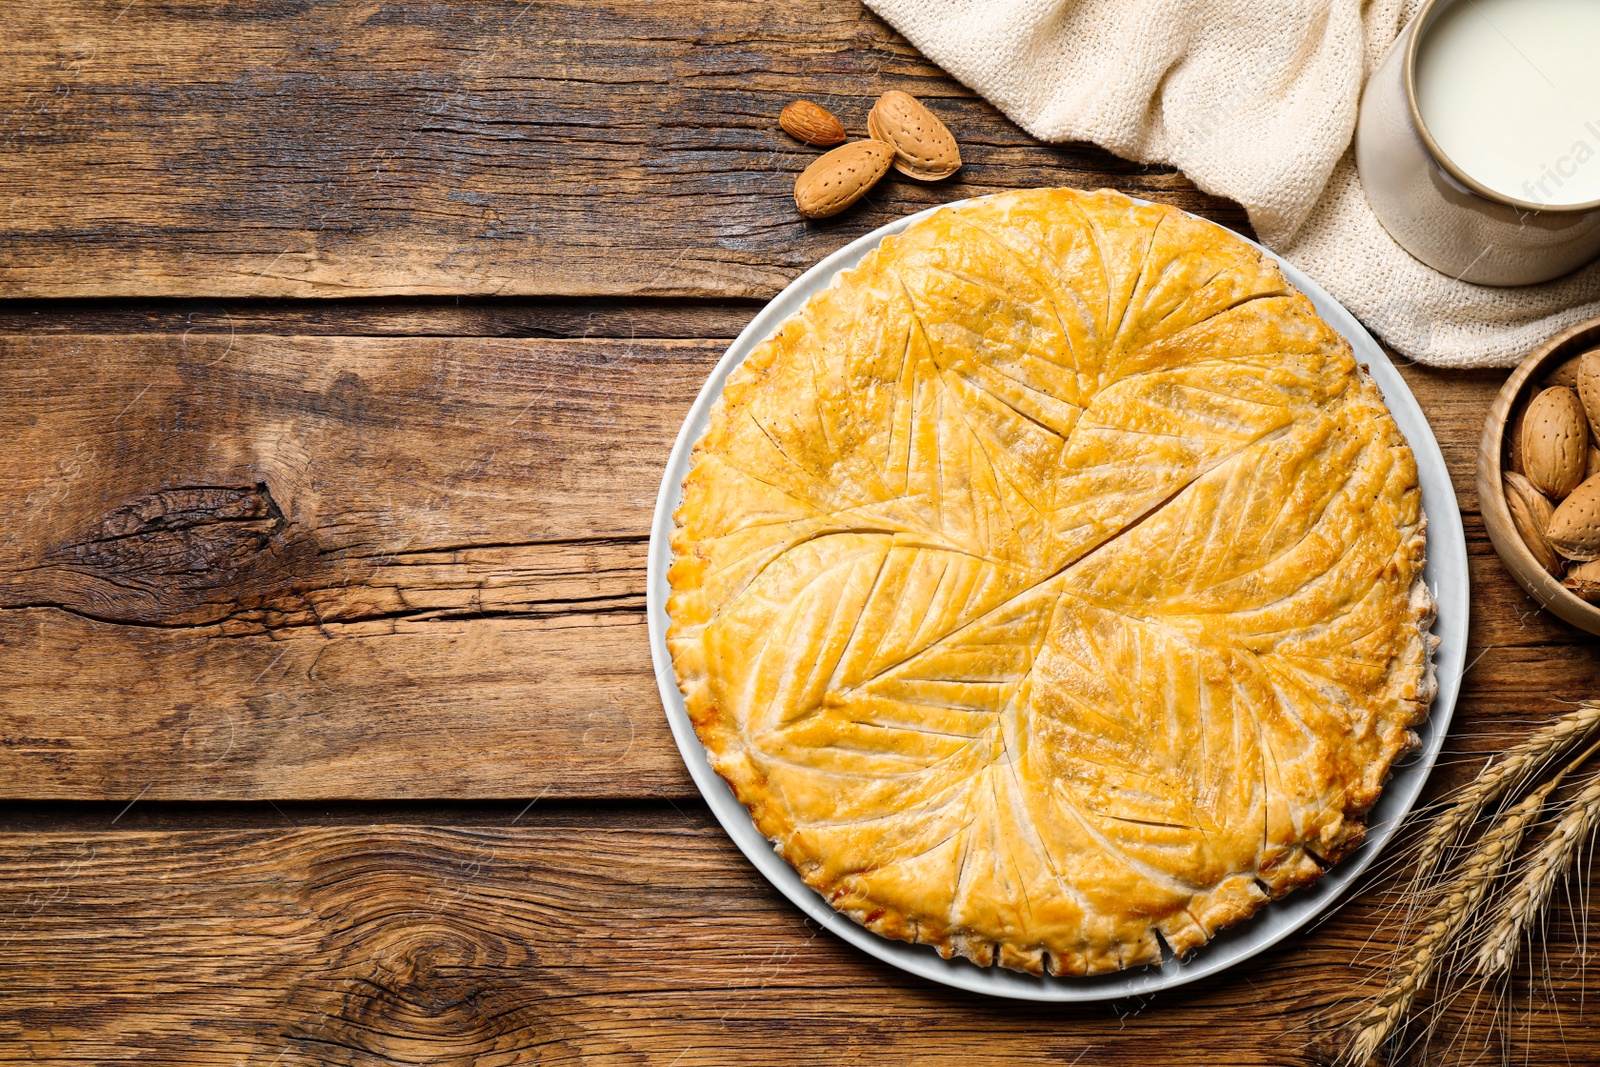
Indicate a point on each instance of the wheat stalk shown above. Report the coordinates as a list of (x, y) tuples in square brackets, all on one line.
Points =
[(1519, 762), (1369, 1030), (1532, 891)]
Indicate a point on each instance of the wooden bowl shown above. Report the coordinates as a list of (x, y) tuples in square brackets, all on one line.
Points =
[(1493, 458)]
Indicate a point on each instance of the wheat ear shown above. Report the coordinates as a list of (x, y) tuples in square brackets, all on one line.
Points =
[(1519, 762), (1532, 891), (1369, 1030)]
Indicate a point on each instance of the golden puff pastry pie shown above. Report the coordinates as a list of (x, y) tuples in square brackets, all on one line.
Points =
[(1049, 587)]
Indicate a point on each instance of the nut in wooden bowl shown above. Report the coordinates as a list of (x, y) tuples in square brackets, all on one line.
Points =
[(1528, 481), (1555, 441)]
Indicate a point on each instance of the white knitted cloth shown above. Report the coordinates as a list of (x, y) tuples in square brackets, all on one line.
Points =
[(1256, 102)]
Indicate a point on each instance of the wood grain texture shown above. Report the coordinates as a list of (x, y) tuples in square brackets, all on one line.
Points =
[(623, 147), (600, 944), (248, 567), (301, 568)]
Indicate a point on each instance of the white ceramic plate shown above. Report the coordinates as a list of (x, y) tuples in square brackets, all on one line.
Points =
[(1446, 575)]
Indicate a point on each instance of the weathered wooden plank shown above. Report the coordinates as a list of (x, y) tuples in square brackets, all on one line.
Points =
[(264, 567), (358, 148), (602, 944)]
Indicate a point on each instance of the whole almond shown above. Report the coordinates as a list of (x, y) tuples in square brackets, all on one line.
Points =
[(1584, 580), (1574, 529), (923, 146), (1519, 421), (1555, 442), (1531, 514), (1589, 392), (811, 123), (839, 178), (1567, 373)]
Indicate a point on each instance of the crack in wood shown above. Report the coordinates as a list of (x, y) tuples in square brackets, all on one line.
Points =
[(204, 556)]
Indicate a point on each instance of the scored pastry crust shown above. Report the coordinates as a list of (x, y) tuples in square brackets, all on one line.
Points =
[(1050, 585)]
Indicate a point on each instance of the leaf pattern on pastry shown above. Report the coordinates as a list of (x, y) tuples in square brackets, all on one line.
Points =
[(1049, 586)]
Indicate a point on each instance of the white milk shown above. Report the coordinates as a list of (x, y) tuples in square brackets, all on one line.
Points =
[(1510, 90)]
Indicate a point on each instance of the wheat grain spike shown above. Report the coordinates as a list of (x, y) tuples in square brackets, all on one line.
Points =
[(1532, 891), (1368, 1031), (1515, 767)]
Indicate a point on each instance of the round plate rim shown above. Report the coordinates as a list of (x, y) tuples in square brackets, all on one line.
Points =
[(1445, 573)]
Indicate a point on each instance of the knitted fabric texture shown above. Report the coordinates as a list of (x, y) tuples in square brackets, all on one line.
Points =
[(1255, 102)]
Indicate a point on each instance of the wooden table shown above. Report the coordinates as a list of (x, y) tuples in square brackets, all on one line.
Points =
[(341, 351)]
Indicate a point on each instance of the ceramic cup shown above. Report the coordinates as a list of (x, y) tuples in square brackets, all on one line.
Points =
[(1436, 211)]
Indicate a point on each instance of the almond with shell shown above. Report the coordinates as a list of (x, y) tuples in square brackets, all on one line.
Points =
[(811, 123), (1589, 389), (1531, 513), (1584, 580), (1567, 373), (1555, 442), (924, 148), (1574, 529), (1518, 422), (839, 178)]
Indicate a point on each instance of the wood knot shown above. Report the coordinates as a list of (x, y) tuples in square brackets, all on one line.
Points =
[(186, 532), (183, 556), (412, 989), (425, 964)]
